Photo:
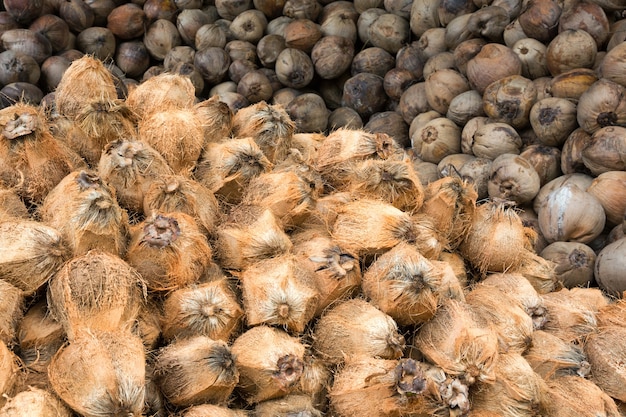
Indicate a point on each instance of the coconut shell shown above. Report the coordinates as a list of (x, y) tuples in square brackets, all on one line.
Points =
[(163, 92), (552, 357), (565, 399), (606, 354), (32, 253), (210, 410), (196, 370), (12, 308), (356, 328), (270, 363), (35, 402), (12, 206), (209, 309), (84, 209), (10, 373), (101, 373), (169, 250), (216, 119), (287, 406), (567, 318)]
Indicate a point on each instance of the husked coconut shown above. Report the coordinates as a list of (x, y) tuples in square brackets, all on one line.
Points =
[(216, 119), (11, 205), (289, 405), (567, 317), (211, 410)]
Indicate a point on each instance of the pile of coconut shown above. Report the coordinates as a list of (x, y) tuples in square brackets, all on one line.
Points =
[(168, 257)]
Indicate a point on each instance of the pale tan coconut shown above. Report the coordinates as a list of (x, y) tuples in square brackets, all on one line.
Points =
[(130, 166), (606, 354), (354, 328), (613, 314), (169, 250), (280, 292), (451, 285), (35, 402), (12, 308), (101, 373), (196, 370), (84, 209), (337, 271), (10, 373), (552, 357), (32, 253), (270, 363), (308, 144), (456, 263), (540, 272), (12, 206), (315, 380), (216, 119), (210, 309), (176, 134), (567, 318), (211, 410), (161, 93), (250, 234), (269, 126), (154, 400), (289, 405), (227, 167), (571, 395)]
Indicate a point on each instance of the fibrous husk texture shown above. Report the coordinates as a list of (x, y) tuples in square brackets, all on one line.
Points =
[(568, 318), (97, 290), (12, 308), (552, 357), (211, 410), (606, 353), (572, 395), (11, 205), (10, 373), (216, 119), (32, 253), (35, 402), (290, 405), (163, 92)]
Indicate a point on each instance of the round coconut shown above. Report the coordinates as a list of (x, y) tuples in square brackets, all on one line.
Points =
[(551, 356), (567, 317), (196, 370), (32, 253), (97, 290), (606, 354), (269, 125), (290, 405), (84, 209), (270, 363), (613, 314), (565, 399), (12, 206), (169, 250), (356, 328), (211, 410), (307, 144), (35, 402), (10, 373), (176, 134), (101, 373), (315, 380), (540, 272), (250, 234), (210, 309), (216, 119), (163, 92), (227, 167), (280, 292), (12, 308)]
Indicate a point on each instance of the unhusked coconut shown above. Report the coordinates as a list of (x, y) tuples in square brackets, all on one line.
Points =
[(606, 354), (11, 311), (163, 92), (572, 395), (216, 119), (211, 410), (10, 373), (551, 356), (35, 402), (289, 405), (12, 206), (567, 317)]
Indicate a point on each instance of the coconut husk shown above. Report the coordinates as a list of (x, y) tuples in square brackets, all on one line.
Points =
[(315, 381), (171, 193), (613, 314), (84, 209), (32, 253), (101, 373), (457, 263), (337, 271), (148, 323), (327, 208), (540, 272), (269, 126), (96, 290), (12, 206), (552, 357), (154, 402), (35, 402), (169, 250), (216, 119), (290, 405), (87, 80), (195, 370), (177, 135), (592, 298), (270, 363), (10, 373), (209, 309), (607, 354), (163, 92), (567, 318), (227, 167), (451, 286), (457, 341), (250, 234), (210, 410), (571, 395), (356, 328), (11, 311), (308, 144), (279, 291)]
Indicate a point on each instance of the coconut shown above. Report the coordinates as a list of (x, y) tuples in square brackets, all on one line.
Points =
[(356, 328), (606, 354), (35, 402), (12, 206), (11, 311), (130, 166), (269, 126), (209, 309), (278, 291), (10, 373), (540, 272), (32, 253), (216, 119), (270, 363), (196, 370), (161, 93), (564, 398), (154, 401), (101, 373), (613, 314), (169, 250), (290, 405), (250, 234), (211, 410), (148, 325), (176, 134), (552, 357), (567, 318), (315, 380)]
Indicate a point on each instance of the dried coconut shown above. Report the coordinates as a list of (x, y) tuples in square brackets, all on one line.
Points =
[(12, 308), (290, 405), (607, 354), (12, 206), (35, 402), (216, 119), (572, 395), (163, 92), (550, 356), (567, 318), (210, 410), (10, 373)]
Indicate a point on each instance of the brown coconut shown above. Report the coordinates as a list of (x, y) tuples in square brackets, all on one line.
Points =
[(279, 292), (572, 395), (10, 373), (32, 253), (354, 328), (176, 134), (315, 380), (161, 93), (196, 370), (227, 167), (35, 402), (216, 119), (540, 272), (269, 126), (11, 205), (606, 354), (567, 318), (290, 405), (209, 309), (101, 373), (270, 363), (130, 166), (552, 357), (169, 250), (211, 410), (84, 209), (613, 314), (12, 308), (250, 234)]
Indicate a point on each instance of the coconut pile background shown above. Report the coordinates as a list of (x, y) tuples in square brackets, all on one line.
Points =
[(171, 249)]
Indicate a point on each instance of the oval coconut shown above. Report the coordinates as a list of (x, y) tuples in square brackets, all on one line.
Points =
[(606, 354), (12, 308), (161, 93), (551, 356), (565, 399), (12, 206), (211, 410), (10, 373), (216, 119), (289, 405), (35, 402)]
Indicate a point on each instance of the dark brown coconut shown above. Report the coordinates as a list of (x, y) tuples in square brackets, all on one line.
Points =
[(162, 92), (209, 309), (564, 398), (169, 250), (196, 370), (216, 119), (11, 311), (356, 328), (84, 209), (35, 402), (606, 354), (270, 363), (101, 373), (552, 357), (10, 373)]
